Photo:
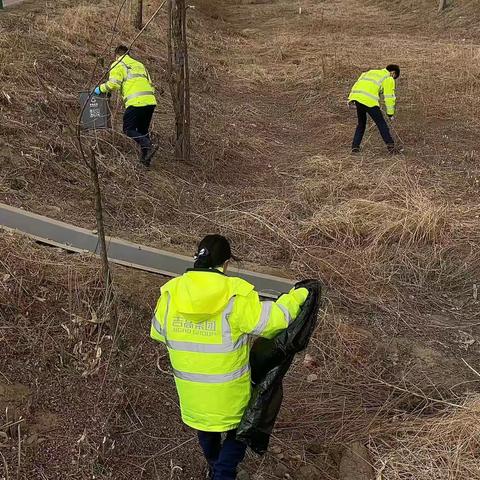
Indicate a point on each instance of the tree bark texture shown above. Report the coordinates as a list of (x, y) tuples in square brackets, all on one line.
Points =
[(179, 76), (109, 304), (138, 14)]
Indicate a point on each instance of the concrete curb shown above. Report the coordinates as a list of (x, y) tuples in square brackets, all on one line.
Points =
[(11, 3), (76, 239)]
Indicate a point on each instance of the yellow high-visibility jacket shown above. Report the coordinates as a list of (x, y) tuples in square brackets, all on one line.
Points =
[(370, 85), (205, 319), (133, 80)]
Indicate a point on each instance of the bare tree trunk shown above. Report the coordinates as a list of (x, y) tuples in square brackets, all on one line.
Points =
[(186, 90), (109, 304), (442, 5), (99, 217), (179, 76), (138, 14)]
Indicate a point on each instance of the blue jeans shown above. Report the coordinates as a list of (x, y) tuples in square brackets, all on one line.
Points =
[(223, 459), (377, 117)]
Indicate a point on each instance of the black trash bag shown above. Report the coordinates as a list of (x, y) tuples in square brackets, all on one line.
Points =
[(269, 362)]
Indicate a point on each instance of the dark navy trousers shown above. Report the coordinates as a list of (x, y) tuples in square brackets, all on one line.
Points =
[(377, 116), (136, 124), (223, 459)]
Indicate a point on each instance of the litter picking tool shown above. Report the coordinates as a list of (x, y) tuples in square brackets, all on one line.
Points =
[(401, 143)]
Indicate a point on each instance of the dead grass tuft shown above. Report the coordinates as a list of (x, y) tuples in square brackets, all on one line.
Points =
[(355, 221), (443, 447)]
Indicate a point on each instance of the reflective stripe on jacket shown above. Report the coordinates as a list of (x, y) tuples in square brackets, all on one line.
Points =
[(370, 85), (133, 80), (205, 319)]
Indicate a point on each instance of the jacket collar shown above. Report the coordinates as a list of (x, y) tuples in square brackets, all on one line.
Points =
[(122, 58), (211, 270)]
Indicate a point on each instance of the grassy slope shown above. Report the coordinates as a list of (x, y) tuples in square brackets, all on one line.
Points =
[(94, 408), (395, 239), (270, 134)]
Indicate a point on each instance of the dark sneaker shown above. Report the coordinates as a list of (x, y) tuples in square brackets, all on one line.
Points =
[(355, 150), (145, 162), (149, 155)]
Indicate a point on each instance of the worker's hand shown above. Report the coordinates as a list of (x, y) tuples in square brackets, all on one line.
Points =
[(391, 117), (97, 91)]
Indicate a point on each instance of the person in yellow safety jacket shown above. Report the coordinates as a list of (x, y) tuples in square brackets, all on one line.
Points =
[(206, 319), (132, 79), (365, 95)]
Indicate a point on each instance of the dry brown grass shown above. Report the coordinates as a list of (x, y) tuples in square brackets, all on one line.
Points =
[(396, 240), (94, 395), (418, 222), (48, 302), (443, 447)]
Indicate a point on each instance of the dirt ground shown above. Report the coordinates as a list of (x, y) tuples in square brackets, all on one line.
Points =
[(395, 239)]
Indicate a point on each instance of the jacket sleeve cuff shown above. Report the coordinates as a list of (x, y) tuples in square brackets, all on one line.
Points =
[(299, 294)]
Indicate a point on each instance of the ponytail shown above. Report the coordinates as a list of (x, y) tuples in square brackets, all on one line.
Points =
[(212, 252)]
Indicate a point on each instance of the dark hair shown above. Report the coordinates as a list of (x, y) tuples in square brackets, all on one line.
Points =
[(213, 251), (394, 68), (121, 50)]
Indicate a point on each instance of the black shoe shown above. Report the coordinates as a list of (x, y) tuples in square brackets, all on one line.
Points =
[(145, 162), (355, 150), (149, 154)]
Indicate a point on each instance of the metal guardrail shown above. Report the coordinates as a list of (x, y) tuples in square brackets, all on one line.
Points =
[(76, 239)]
